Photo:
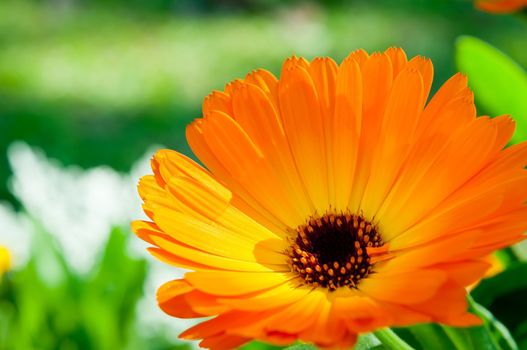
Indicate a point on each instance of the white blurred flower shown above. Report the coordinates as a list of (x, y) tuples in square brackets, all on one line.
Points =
[(15, 234), (79, 208)]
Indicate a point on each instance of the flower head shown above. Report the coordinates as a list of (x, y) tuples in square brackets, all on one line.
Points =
[(501, 6), (334, 201), (5, 260)]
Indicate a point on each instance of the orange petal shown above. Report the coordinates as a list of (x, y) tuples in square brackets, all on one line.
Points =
[(400, 118), (226, 283), (377, 76), (304, 127), (403, 288), (398, 59), (170, 297), (278, 296), (361, 314), (448, 306), (217, 101), (223, 342), (346, 129)]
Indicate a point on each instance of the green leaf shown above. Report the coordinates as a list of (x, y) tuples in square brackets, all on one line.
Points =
[(504, 294), (499, 332), (499, 83), (431, 336), (520, 250), (391, 340), (491, 335), (107, 298), (256, 345), (365, 342), (36, 304), (369, 342), (504, 283), (471, 338), (521, 335), (302, 347)]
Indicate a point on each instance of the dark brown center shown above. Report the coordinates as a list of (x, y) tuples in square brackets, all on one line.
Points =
[(330, 250)]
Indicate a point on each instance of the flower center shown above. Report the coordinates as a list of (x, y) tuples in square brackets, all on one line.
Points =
[(330, 250)]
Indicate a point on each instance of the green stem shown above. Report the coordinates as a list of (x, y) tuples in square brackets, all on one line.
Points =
[(457, 337), (391, 340), (500, 331)]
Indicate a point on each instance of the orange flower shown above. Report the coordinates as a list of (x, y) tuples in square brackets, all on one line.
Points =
[(501, 6), (5, 260), (336, 201)]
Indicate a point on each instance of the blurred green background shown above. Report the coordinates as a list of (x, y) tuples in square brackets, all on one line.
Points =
[(94, 83)]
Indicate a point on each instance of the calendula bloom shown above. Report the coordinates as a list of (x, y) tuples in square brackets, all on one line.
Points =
[(335, 201), (501, 6), (5, 260)]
